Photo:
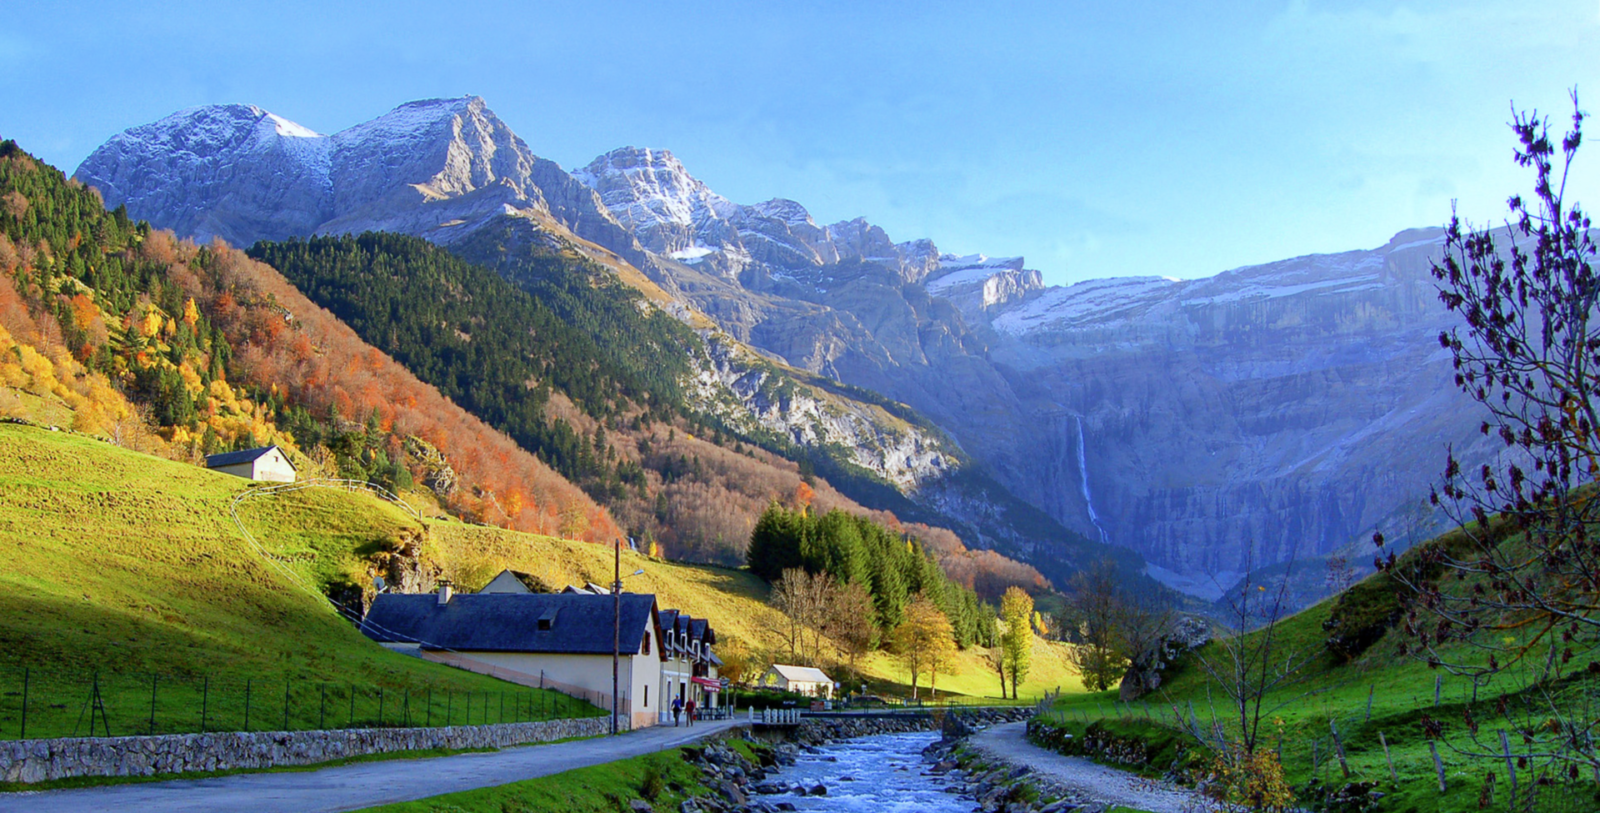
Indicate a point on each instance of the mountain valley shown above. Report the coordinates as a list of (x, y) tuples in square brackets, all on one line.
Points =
[(1264, 415)]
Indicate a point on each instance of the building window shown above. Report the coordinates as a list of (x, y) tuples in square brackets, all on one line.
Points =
[(647, 693)]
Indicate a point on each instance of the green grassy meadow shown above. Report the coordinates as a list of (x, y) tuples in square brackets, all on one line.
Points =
[(126, 571), (1332, 692)]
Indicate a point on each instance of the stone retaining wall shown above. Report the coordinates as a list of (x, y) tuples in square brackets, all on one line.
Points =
[(31, 761)]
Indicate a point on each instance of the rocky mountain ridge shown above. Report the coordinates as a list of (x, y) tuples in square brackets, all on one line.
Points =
[(450, 171), (1212, 425)]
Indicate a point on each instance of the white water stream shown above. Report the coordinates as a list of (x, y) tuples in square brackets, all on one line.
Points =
[(871, 774)]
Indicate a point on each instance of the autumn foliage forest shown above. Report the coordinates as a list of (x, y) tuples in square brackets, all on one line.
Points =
[(181, 350)]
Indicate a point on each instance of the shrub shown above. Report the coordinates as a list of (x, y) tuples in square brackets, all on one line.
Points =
[(653, 784), (1250, 781)]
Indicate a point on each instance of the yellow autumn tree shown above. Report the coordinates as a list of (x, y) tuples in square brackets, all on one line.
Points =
[(925, 641), (1016, 608)]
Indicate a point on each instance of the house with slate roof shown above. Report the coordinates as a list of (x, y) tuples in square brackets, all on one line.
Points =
[(267, 463), (550, 640), (689, 668)]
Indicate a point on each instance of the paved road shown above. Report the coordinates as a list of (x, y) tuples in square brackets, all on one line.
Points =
[(1008, 743), (349, 787)]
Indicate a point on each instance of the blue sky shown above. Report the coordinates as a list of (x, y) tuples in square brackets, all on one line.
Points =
[(1096, 139)]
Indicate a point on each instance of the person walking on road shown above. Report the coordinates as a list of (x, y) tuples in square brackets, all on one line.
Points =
[(677, 709), (688, 709)]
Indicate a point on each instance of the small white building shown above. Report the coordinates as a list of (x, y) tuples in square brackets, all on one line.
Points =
[(804, 680), (267, 463)]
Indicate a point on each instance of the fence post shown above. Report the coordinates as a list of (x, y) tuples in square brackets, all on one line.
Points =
[(247, 704), (1438, 764), (1438, 684), (152, 703), (1370, 690), (1338, 748), (25, 676), (287, 682), (205, 701), (100, 704), (405, 713), (1393, 777), (502, 706), (449, 700), (380, 707), (430, 707), (322, 706), (351, 723), (1511, 766)]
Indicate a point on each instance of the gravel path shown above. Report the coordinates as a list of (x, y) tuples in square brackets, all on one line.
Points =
[(1009, 743), (365, 784)]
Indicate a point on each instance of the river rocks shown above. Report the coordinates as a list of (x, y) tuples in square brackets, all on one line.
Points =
[(640, 806), (1003, 788)]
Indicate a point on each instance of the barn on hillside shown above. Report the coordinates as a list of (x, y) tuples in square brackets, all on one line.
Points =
[(267, 463)]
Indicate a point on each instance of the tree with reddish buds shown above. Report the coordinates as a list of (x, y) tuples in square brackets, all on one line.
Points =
[(1511, 601)]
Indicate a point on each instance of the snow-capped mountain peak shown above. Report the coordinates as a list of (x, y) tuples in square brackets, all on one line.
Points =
[(243, 174), (653, 195)]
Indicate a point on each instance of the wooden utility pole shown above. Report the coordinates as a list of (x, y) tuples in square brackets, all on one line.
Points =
[(616, 625)]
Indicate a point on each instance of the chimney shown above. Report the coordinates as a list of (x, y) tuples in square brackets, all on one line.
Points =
[(445, 592)]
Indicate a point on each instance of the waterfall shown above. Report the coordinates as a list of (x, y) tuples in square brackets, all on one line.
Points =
[(1083, 478)]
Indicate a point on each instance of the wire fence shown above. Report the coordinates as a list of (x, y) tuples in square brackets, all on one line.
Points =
[(37, 704)]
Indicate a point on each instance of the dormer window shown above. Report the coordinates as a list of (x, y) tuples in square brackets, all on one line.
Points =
[(547, 621)]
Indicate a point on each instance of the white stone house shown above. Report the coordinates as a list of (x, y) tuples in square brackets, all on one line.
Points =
[(804, 680), (554, 640), (267, 463)]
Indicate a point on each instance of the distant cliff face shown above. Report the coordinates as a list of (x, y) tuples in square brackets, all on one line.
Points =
[(1289, 408)]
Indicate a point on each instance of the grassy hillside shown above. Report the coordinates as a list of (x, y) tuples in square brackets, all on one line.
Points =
[(1332, 691), (122, 566)]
